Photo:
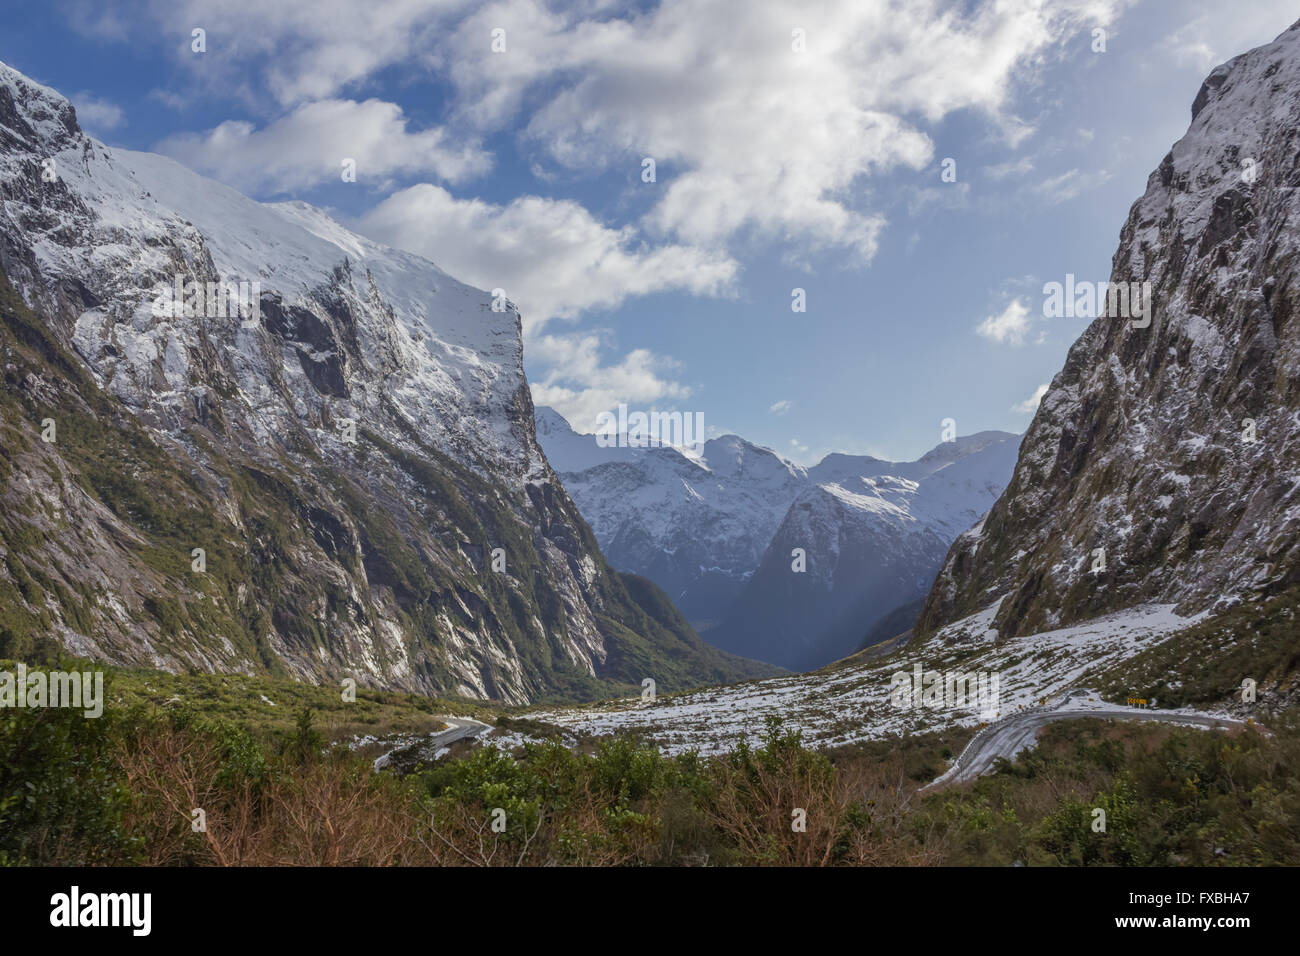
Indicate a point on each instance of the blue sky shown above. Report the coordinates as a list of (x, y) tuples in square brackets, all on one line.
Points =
[(776, 168)]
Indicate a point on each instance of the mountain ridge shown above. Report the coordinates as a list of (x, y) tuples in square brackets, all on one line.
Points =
[(716, 525), (1171, 450)]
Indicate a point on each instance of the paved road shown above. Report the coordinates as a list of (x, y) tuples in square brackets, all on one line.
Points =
[(458, 728), (1009, 736)]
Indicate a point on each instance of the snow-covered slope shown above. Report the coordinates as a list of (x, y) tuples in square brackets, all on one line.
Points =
[(120, 223), (836, 707), (359, 440), (695, 524), (716, 527)]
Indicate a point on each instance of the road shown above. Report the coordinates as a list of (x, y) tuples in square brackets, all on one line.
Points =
[(1009, 736), (427, 748)]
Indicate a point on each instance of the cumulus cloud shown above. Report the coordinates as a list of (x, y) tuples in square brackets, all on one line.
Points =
[(765, 128), (552, 257), (307, 147), (781, 407), (1030, 405), (297, 50), (579, 385), (97, 114), (1010, 326), (756, 131), (756, 135)]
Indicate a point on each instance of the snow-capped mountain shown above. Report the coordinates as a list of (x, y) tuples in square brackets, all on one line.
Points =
[(717, 527), (352, 440), (694, 523), (1164, 462)]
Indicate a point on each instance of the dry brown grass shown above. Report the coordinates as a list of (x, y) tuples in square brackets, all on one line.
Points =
[(328, 812)]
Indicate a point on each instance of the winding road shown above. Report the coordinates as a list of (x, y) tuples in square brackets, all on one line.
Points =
[(458, 728), (1018, 732)]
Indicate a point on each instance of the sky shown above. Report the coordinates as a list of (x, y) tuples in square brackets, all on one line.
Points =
[(918, 169)]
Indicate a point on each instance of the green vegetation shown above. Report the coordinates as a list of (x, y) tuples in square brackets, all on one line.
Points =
[(1205, 664), (121, 790), (1171, 797)]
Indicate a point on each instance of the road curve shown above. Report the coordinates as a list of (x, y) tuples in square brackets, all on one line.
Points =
[(1010, 736), (458, 728)]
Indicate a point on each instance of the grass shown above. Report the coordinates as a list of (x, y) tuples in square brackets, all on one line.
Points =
[(264, 706)]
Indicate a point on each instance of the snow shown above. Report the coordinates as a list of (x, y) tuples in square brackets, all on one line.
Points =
[(677, 518), (837, 707), (427, 341)]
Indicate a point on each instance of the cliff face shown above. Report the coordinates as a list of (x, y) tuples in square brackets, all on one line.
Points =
[(348, 446), (1174, 447)]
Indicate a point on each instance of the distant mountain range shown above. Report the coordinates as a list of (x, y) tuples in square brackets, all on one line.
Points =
[(1148, 544), (717, 527)]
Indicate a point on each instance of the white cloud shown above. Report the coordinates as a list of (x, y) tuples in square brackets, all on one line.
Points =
[(1030, 405), (781, 407), (95, 113), (579, 386), (1212, 32), (751, 138), (1011, 325), (307, 148), (1069, 184), (552, 257), (303, 50), (1019, 167)]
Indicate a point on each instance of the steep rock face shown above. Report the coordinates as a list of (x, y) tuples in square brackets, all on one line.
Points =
[(715, 527), (349, 449), (1142, 445)]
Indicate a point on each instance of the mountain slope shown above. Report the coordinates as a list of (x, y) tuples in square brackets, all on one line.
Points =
[(716, 527), (348, 451), (1176, 447), (871, 541), (695, 524)]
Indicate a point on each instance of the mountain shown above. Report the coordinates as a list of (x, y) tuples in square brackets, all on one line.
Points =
[(715, 528), (1175, 447), (336, 474), (696, 525), (873, 535)]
